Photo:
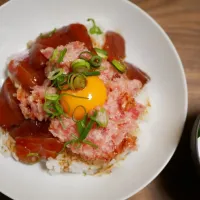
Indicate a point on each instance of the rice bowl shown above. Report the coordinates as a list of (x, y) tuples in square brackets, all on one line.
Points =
[(60, 85), (149, 48)]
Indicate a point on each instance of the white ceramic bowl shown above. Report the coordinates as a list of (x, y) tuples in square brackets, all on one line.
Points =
[(149, 48)]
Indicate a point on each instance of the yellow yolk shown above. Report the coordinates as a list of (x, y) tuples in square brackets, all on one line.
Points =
[(95, 92)]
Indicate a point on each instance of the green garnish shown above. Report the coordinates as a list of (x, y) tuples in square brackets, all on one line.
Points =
[(52, 97), (71, 81), (80, 65), (65, 145), (62, 54), (90, 143), (199, 133), (94, 73), (94, 29), (86, 130), (102, 53), (83, 129), (86, 55), (101, 117), (33, 154), (58, 78), (63, 94), (81, 124), (79, 82), (121, 67), (49, 34), (95, 61), (54, 55), (76, 81), (55, 74), (52, 105)]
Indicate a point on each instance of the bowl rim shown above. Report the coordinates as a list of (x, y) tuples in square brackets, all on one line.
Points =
[(185, 88), (180, 64)]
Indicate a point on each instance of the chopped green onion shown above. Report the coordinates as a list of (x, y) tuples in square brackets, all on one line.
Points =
[(95, 61), (86, 55), (102, 53), (79, 82), (63, 94), (52, 106), (81, 124), (42, 35), (54, 55), (94, 73), (60, 81), (62, 54), (65, 145), (95, 29), (86, 130), (52, 97), (33, 154), (76, 81), (56, 73), (101, 118), (80, 65), (119, 66), (80, 106), (90, 143)]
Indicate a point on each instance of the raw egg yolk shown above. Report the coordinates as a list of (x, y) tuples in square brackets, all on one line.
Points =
[(95, 92)]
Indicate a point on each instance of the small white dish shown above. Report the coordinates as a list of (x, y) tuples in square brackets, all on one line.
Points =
[(149, 48)]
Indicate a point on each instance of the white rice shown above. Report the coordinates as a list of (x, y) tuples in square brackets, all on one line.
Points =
[(3, 147), (63, 163), (66, 164)]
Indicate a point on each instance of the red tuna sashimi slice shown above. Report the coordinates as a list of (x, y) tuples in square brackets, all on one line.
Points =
[(10, 113), (35, 142), (114, 45), (37, 148), (37, 59), (24, 74), (66, 34), (31, 128)]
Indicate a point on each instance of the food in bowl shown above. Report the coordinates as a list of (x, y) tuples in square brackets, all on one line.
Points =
[(70, 101)]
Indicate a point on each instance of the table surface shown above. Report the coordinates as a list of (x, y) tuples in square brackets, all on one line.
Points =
[(181, 21)]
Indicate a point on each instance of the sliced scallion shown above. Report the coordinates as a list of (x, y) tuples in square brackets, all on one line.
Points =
[(101, 117), (79, 82), (52, 105), (67, 94), (87, 129), (33, 154), (90, 143), (80, 65), (54, 55), (94, 29), (95, 61), (52, 97), (102, 53), (121, 67), (49, 34), (85, 55), (62, 54), (94, 73), (76, 81), (55, 73)]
